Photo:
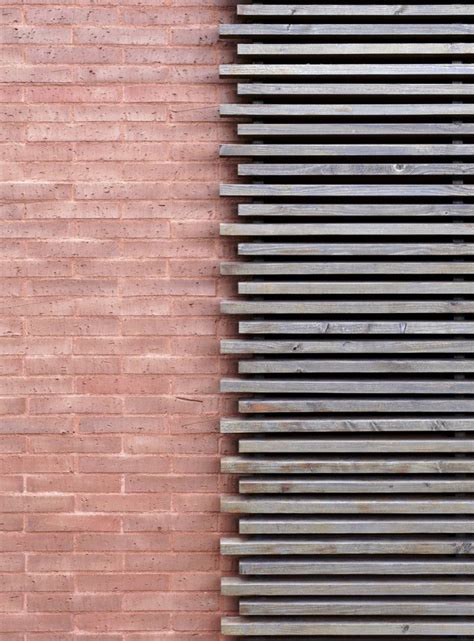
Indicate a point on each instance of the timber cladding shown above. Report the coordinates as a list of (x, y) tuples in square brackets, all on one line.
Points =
[(356, 315)]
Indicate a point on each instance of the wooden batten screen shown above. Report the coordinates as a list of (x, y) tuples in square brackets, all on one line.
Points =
[(356, 433)]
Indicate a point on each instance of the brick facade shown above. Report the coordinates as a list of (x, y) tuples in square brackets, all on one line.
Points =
[(110, 324)]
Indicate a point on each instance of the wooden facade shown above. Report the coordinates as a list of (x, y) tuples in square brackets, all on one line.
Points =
[(356, 315)]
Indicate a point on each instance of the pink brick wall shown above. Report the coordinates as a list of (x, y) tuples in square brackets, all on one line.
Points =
[(109, 320)]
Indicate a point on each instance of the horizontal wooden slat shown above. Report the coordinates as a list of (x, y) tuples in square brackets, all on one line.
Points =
[(418, 249), (349, 229), (362, 288), (363, 446), (423, 89), (353, 485), (357, 607), (348, 525), (332, 190), (464, 70), (234, 586), (346, 346), (298, 505), (364, 50), (260, 268), (360, 566), (381, 405), (345, 307), (357, 366), (348, 30), (347, 425), (358, 210), (353, 10), (347, 169), (341, 150), (347, 465), (266, 626), (401, 130), (360, 327), (346, 545)]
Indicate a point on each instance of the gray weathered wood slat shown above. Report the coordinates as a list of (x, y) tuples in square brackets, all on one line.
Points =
[(342, 150), (330, 404), (348, 525), (333, 190), (357, 327), (347, 465), (350, 229), (356, 366), (452, 306), (295, 70), (338, 169), (279, 546), (352, 446), (364, 50), (260, 268), (331, 346), (235, 586), (298, 505), (346, 425), (417, 249), (326, 30), (265, 626), (361, 287), (360, 211), (401, 130), (309, 566), (346, 110), (352, 485), (356, 607), (348, 386), (352, 10), (354, 89)]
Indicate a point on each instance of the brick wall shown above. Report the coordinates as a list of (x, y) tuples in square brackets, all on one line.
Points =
[(110, 325)]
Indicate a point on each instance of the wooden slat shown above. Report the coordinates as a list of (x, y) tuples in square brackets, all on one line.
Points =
[(347, 169), (460, 249), (464, 70), (353, 485), (342, 150), (347, 525), (352, 10), (364, 50), (354, 89), (356, 366), (298, 505), (362, 446), (373, 307), (268, 625), (330, 404), (349, 229), (347, 425), (331, 191), (464, 566), (356, 607), (346, 346), (260, 268), (345, 545), (347, 465), (326, 30), (362, 288), (360, 211), (350, 587), (359, 327)]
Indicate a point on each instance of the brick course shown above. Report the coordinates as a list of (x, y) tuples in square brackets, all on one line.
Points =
[(109, 328)]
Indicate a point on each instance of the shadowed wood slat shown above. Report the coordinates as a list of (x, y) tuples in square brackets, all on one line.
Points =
[(348, 30), (277, 190), (347, 525), (362, 211), (347, 545), (352, 10), (347, 465), (362, 288), (359, 327), (331, 70), (357, 249), (382, 405), (356, 607), (331, 346), (365, 50), (260, 268), (350, 229), (298, 505), (354, 89), (331, 587), (352, 485), (267, 625), (401, 567), (367, 308), (341, 150), (364, 446), (334, 169), (347, 425), (356, 366)]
